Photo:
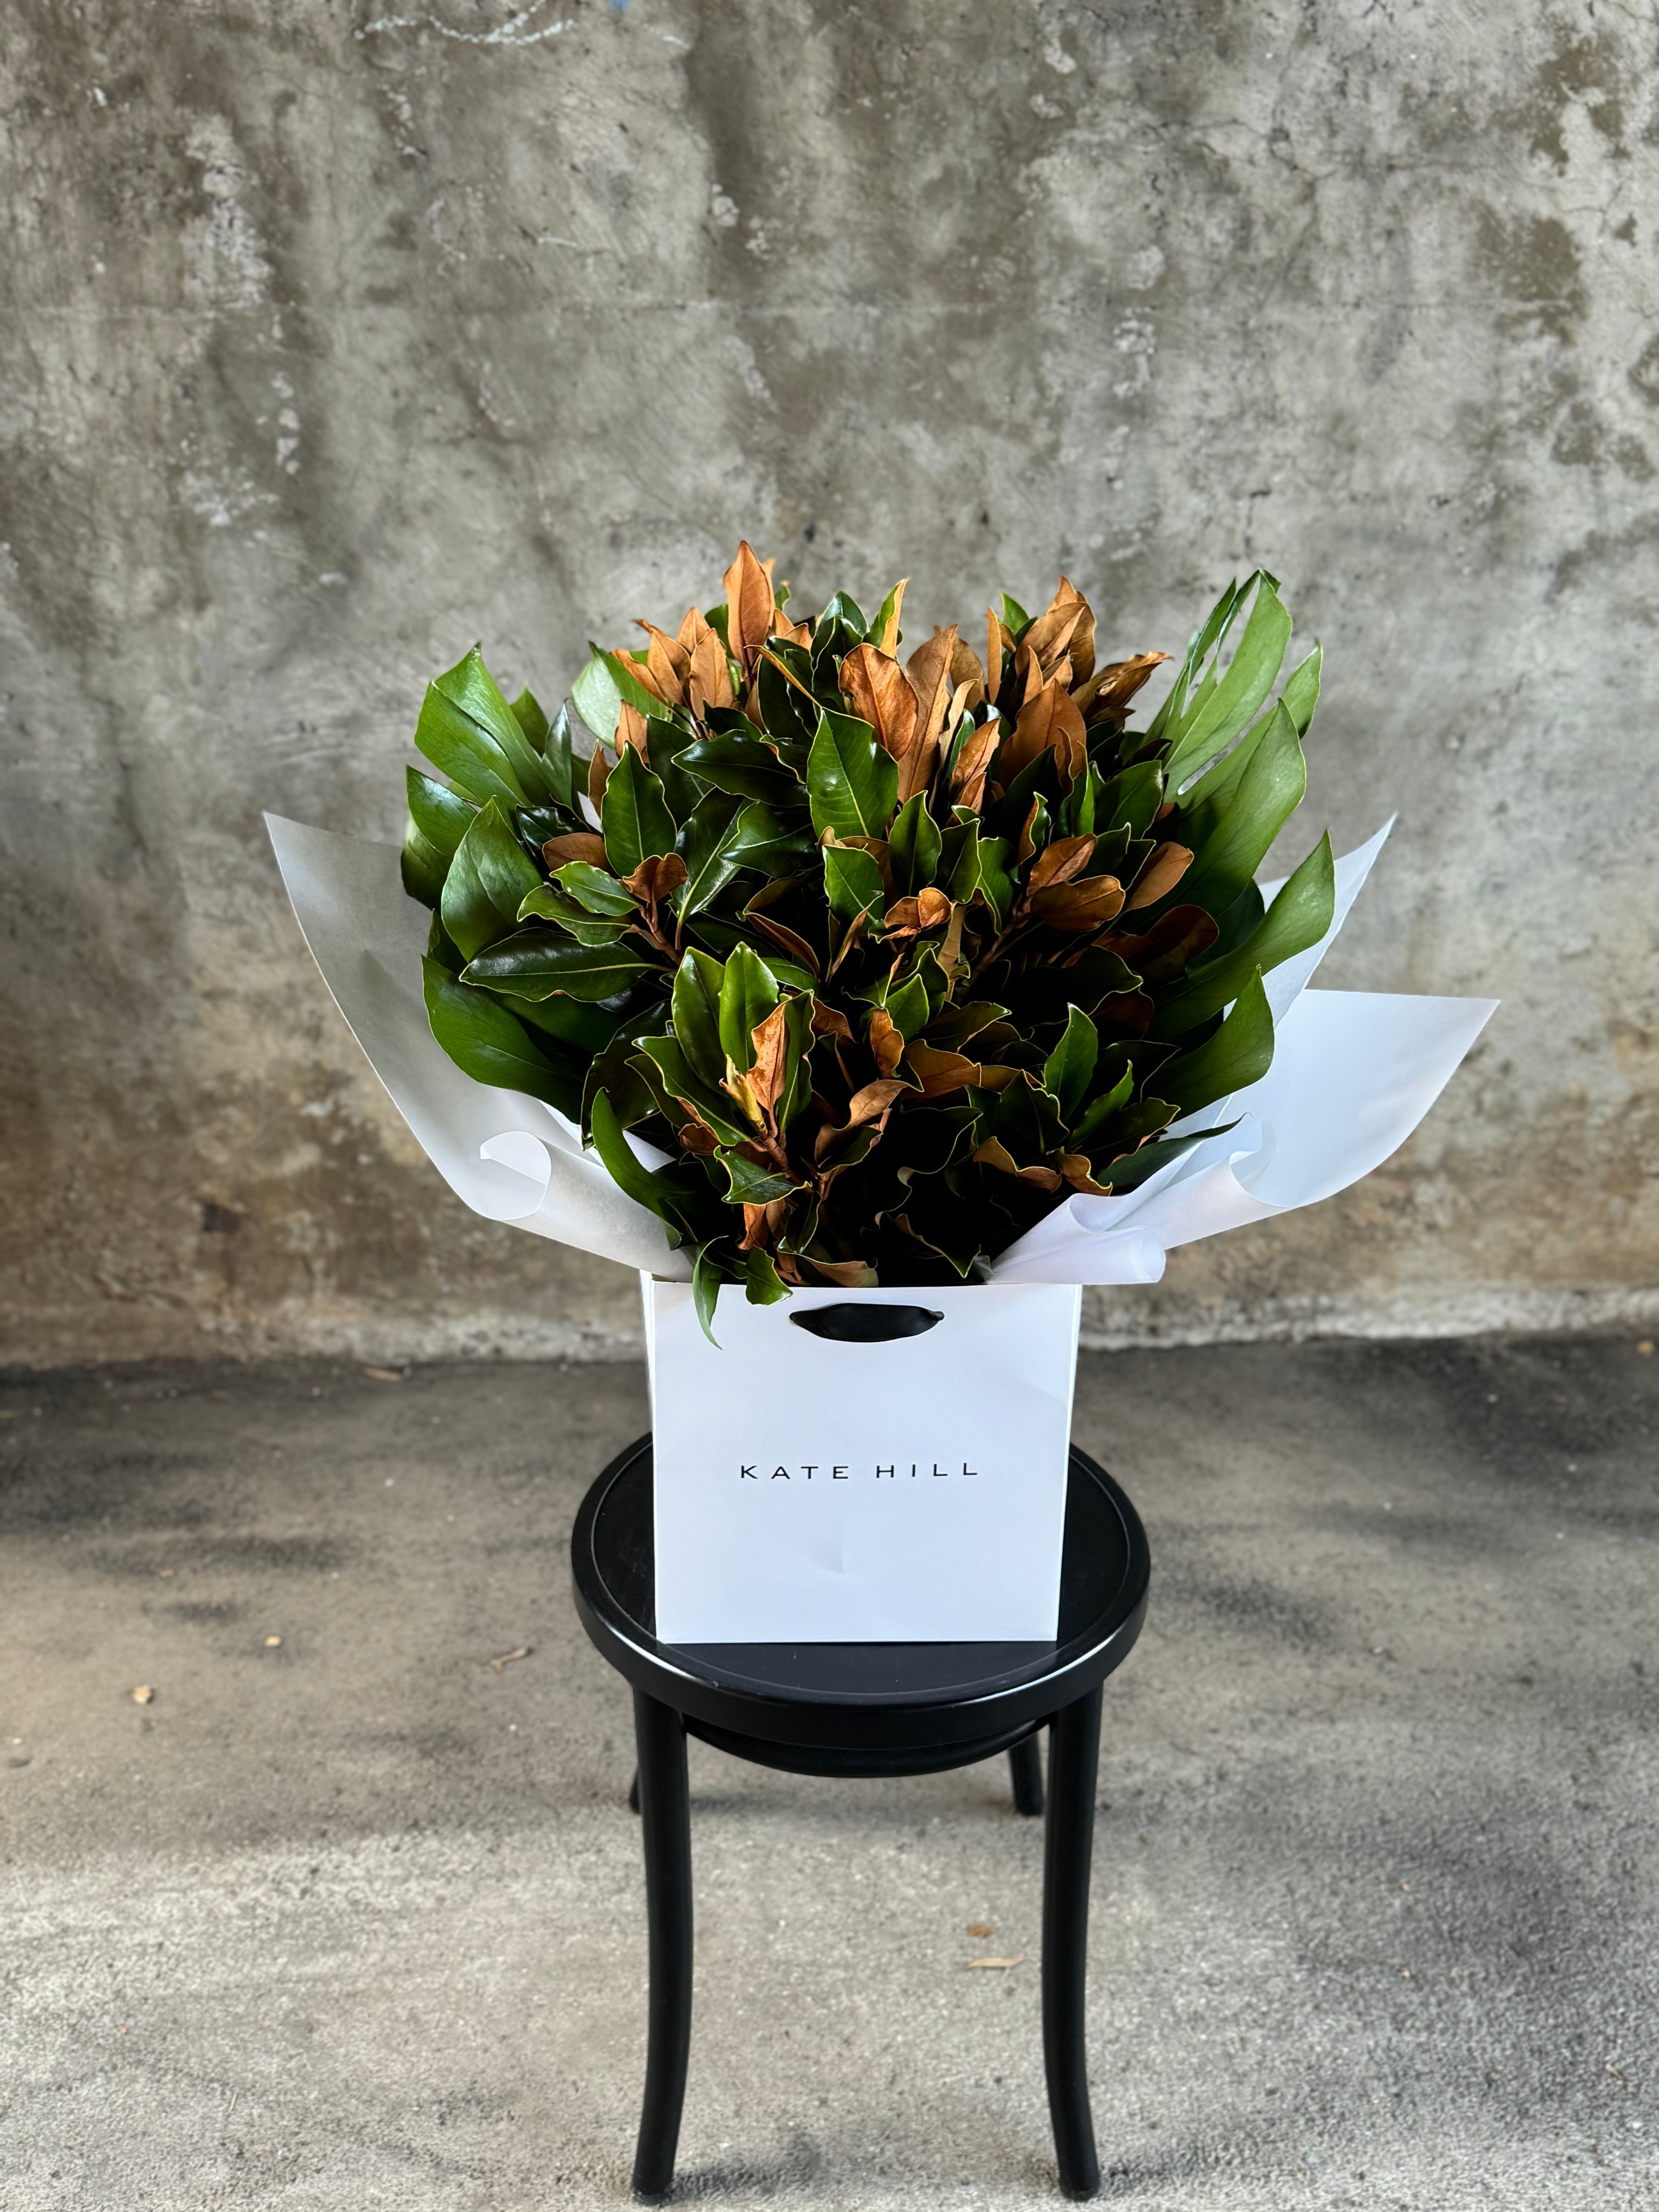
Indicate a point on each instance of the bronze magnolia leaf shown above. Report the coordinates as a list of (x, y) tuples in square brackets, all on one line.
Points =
[(965, 668), (575, 845), (668, 664), (886, 1041), (1079, 1170), (786, 940), (697, 1137), (1168, 948), (993, 1153), (1165, 865), (879, 694), (749, 606), (973, 765), (1059, 862), (771, 1042), (630, 730), (1075, 907), (928, 670), (1048, 720), (1111, 690), (654, 877), (709, 684), (598, 774), (929, 910), (940, 1073), (888, 641)]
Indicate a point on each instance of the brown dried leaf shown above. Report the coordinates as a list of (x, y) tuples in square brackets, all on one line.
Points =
[(1081, 650), (846, 1275), (1051, 634), (698, 1138), (598, 774), (940, 1073), (667, 664), (958, 709), (929, 910), (657, 875), (749, 606), (709, 684), (830, 1021), (981, 1929), (763, 1224), (1059, 862), (771, 1042), (630, 730), (1079, 1170), (1049, 718), (788, 940), (577, 845), (973, 765), (928, 670), (1110, 691), (888, 641), (873, 1101), (1128, 1013), (993, 1153), (966, 668), (886, 1042), (1086, 905), (1027, 839), (1165, 865), (878, 694)]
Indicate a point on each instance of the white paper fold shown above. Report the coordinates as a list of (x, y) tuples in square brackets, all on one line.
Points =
[(509, 1157)]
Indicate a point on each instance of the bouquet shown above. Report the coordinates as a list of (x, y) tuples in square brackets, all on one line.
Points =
[(853, 964)]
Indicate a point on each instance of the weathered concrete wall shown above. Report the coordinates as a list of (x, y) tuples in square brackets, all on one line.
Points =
[(335, 337)]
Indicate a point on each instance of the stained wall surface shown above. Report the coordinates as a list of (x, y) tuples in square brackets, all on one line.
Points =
[(336, 336)]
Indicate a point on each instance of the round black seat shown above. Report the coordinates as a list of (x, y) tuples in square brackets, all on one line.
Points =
[(867, 1709)]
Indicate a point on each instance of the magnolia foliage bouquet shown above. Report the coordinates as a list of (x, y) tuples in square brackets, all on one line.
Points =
[(852, 966)]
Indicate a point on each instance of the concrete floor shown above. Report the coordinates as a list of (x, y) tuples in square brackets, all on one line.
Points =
[(355, 1920)]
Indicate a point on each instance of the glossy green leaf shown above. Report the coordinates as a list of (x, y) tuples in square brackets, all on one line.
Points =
[(443, 817), (776, 844), (742, 766), (1239, 1053), (749, 991), (705, 1278), (908, 1007), (1301, 691), (1211, 724), (706, 847), (914, 847), (422, 868), (596, 697), (622, 1163), (851, 782), (696, 1005), (1269, 790), (466, 753), (749, 1184), (635, 816), (852, 882), (472, 691), (595, 889), (536, 963), (488, 879), (526, 711), (998, 885), (552, 902), (1069, 1068), (715, 1107), (958, 864), (1207, 637), (765, 1286), (1299, 918), (578, 1022), (1130, 799), (1100, 1110), (488, 1043)]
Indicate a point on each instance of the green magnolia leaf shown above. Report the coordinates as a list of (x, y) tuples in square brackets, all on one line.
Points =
[(1269, 792), (635, 817), (852, 882), (1179, 698), (777, 844), (596, 697), (443, 817), (1069, 1068), (749, 991), (1297, 917), (526, 711), (585, 1027), (749, 1184), (623, 1165), (742, 766), (556, 752), (851, 782), (914, 847), (467, 753), (1015, 620), (422, 868), (488, 879), (908, 1007), (1122, 1175), (1301, 691), (1130, 800), (552, 902), (714, 1107), (472, 691), (596, 890), (998, 885), (706, 845), (486, 1042), (536, 963), (697, 1004), (765, 1286), (1239, 1053), (705, 1276), (1212, 723), (1102, 1110)]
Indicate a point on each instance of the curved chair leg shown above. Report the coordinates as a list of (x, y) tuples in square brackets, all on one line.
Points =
[(665, 1825), (1068, 1844), (1025, 1765)]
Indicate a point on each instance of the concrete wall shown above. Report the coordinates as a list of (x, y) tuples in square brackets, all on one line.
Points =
[(336, 336)]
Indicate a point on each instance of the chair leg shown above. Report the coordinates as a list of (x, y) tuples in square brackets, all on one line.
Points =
[(665, 1826), (1025, 1765), (1068, 1844)]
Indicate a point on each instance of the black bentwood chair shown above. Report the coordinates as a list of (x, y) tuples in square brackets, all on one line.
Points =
[(867, 1709)]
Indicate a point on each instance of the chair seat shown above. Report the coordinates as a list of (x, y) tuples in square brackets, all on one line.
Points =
[(852, 1708)]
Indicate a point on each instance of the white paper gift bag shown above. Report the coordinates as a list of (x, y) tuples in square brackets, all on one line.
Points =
[(812, 1490)]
